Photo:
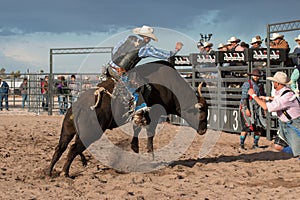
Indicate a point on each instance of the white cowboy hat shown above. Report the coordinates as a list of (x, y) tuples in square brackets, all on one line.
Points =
[(280, 77), (145, 31), (221, 45), (255, 40), (297, 38), (233, 39), (276, 35), (207, 44)]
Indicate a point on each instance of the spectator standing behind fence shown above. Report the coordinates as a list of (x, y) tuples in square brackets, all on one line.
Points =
[(288, 113), (256, 42), (62, 91), (24, 92), (296, 61), (45, 93), (74, 89), (86, 84), (4, 88), (278, 41), (295, 77), (250, 112), (234, 44)]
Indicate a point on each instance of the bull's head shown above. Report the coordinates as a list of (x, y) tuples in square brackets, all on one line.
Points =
[(203, 110)]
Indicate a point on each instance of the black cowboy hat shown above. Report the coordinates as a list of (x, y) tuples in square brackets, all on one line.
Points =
[(255, 72)]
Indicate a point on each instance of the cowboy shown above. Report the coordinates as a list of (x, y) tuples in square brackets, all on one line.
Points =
[(278, 41), (222, 47), (251, 116), (127, 53), (207, 47), (288, 113), (256, 42), (234, 44)]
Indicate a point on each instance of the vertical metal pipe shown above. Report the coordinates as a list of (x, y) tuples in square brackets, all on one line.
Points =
[(50, 84), (268, 85)]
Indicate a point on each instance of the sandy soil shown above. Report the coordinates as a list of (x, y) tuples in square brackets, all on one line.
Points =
[(27, 145)]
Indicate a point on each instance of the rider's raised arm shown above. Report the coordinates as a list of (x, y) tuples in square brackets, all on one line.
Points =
[(151, 51)]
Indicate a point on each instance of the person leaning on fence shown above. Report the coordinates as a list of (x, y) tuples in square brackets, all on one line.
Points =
[(256, 44), (288, 112), (4, 88), (45, 93), (251, 116), (234, 44), (278, 41), (24, 91)]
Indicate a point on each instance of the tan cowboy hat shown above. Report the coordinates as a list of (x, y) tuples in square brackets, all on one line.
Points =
[(280, 77), (207, 44), (145, 31), (255, 72), (233, 39), (276, 35), (256, 40), (297, 38)]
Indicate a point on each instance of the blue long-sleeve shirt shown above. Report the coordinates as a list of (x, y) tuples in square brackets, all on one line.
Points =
[(150, 51)]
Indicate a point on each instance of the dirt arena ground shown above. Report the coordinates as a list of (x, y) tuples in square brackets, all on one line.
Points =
[(27, 144)]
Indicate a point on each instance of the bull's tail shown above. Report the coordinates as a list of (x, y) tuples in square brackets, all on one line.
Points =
[(200, 88)]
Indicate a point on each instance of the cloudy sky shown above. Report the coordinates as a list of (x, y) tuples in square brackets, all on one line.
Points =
[(29, 28)]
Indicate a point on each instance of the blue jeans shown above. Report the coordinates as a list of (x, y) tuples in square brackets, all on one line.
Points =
[(72, 100), (63, 104), (45, 101), (5, 97), (24, 99), (290, 132)]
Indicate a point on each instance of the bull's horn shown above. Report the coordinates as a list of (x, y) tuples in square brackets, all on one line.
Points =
[(200, 88)]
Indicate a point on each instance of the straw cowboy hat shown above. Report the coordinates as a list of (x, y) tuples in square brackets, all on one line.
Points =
[(145, 31), (280, 77), (256, 40), (297, 38), (276, 35), (255, 72), (233, 39), (207, 44)]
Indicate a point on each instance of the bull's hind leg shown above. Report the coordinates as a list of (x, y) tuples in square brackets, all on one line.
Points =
[(76, 149), (67, 133), (135, 139)]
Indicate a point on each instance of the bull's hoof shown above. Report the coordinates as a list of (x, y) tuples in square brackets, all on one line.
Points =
[(83, 160), (48, 172), (65, 174)]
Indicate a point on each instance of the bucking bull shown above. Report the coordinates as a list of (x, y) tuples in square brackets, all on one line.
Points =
[(168, 89)]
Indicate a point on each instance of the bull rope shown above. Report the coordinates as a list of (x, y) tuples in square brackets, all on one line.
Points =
[(98, 94)]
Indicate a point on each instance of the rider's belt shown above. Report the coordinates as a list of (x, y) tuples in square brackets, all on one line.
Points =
[(117, 68)]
